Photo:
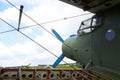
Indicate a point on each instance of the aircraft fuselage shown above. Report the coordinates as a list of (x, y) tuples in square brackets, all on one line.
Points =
[(96, 45)]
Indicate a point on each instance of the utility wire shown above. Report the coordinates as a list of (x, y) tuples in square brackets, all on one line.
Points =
[(45, 22), (30, 18), (36, 23), (30, 39), (15, 29)]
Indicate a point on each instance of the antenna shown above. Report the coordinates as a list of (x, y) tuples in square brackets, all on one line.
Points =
[(20, 15)]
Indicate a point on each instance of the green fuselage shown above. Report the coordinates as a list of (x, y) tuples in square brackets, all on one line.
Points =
[(99, 49)]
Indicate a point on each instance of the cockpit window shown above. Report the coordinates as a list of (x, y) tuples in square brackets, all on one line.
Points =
[(97, 21), (90, 25)]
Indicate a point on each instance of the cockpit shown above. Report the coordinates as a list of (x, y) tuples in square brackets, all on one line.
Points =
[(90, 25)]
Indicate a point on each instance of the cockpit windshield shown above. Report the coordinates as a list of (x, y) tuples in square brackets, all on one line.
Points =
[(90, 25)]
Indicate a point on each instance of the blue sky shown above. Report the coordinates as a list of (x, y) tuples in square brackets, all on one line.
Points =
[(17, 50)]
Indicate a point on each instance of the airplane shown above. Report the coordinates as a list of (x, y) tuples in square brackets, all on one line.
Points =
[(96, 45)]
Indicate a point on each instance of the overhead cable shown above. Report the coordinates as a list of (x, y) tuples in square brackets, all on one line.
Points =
[(30, 18), (36, 22), (30, 38), (45, 23)]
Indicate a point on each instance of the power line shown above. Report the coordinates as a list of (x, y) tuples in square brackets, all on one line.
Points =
[(15, 29), (30, 18), (36, 22), (30, 39), (45, 22)]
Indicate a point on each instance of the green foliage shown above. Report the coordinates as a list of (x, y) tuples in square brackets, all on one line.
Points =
[(67, 67), (59, 67)]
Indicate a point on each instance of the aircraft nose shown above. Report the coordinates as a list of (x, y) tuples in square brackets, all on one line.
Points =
[(68, 47)]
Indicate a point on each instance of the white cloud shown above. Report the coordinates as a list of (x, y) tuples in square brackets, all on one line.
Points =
[(10, 14)]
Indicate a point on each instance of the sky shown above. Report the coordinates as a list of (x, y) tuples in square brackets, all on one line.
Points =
[(17, 50)]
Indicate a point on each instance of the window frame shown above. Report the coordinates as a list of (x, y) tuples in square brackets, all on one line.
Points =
[(92, 26)]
